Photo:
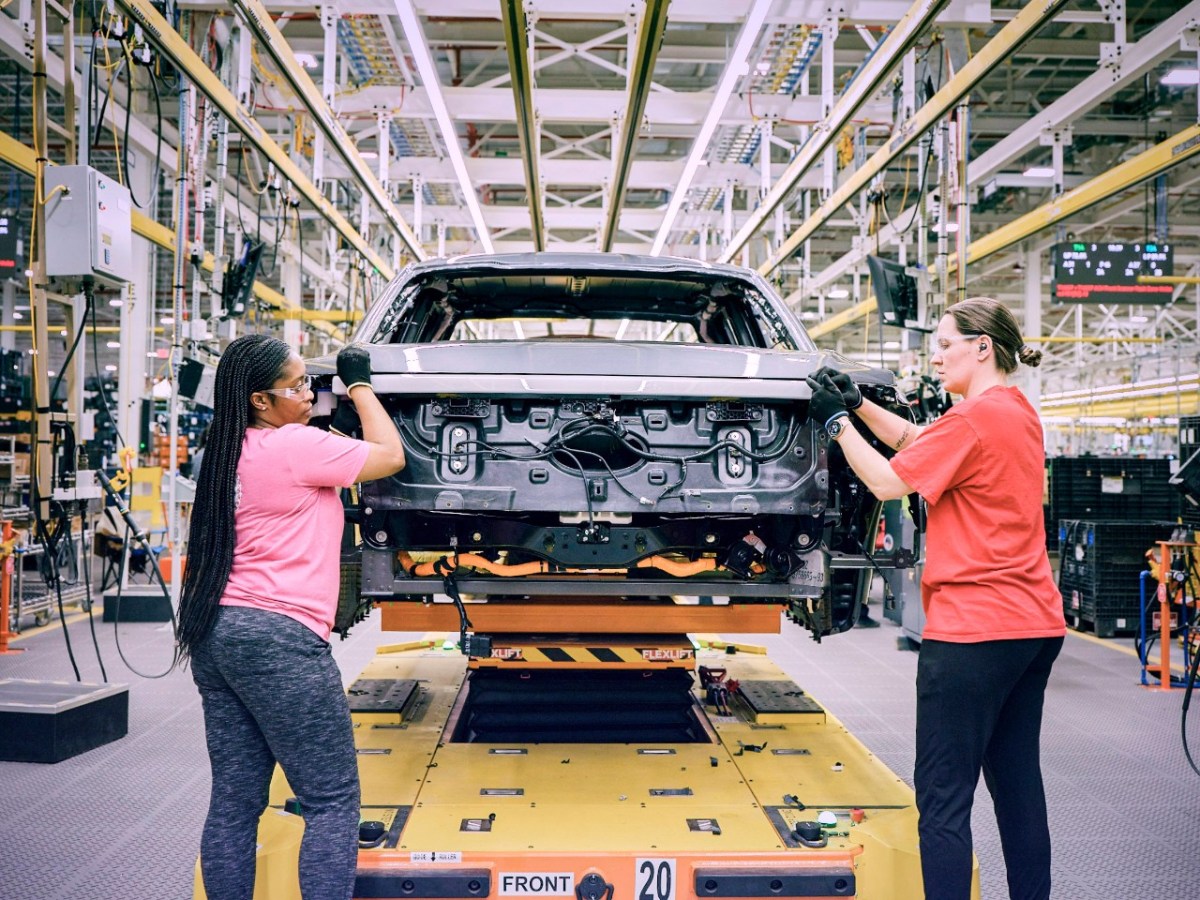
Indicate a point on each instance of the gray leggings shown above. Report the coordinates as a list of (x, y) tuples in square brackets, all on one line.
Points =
[(272, 692)]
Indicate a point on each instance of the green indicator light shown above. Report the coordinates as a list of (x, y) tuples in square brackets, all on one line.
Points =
[(1079, 247)]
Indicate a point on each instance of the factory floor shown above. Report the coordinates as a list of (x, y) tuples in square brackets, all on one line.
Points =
[(122, 822)]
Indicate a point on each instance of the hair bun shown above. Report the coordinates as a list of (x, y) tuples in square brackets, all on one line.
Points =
[(1029, 356)]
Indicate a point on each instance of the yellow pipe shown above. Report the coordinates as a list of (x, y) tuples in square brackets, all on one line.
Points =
[(1185, 403), (641, 72), (516, 27), (1031, 17), (272, 39), (99, 329), (1146, 164), (1168, 279)]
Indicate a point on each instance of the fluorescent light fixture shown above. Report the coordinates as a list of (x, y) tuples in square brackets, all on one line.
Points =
[(110, 368), (306, 60), (734, 69), (116, 301), (1138, 320), (891, 345), (951, 227), (167, 320), (837, 293), (809, 315), (48, 372), (17, 315), (368, 154), (1039, 172), (1181, 78), (63, 332), (419, 47), (114, 345)]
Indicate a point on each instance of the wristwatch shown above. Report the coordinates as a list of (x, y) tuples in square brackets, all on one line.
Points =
[(837, 425)]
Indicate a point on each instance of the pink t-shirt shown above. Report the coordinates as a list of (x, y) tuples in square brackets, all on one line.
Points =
[(289, 522)]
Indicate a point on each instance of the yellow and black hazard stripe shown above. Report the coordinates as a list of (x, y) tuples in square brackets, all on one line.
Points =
[(591, 655)]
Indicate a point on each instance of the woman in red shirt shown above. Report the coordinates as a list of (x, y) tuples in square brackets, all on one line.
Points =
[(994, 622)]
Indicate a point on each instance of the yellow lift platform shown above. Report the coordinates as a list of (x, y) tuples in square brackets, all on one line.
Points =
[(758, 791)]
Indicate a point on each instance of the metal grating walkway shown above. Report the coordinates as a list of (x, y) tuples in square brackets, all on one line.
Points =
[(122, 822)]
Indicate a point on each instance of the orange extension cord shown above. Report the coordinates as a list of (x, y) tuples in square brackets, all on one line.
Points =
[(540, 567)]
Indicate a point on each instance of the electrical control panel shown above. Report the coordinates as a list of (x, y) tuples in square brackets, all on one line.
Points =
[(88, 226)]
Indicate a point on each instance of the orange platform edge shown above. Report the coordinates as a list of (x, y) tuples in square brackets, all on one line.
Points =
[(602, 617)]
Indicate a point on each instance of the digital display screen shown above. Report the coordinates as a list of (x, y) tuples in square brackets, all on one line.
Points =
[(1087, 272), (8, 245)]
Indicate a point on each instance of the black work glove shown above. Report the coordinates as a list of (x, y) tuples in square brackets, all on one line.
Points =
[(354, 366), (345, 420), (826, 403), (844, 383)]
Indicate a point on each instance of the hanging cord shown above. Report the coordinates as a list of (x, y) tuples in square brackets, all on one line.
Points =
[(445, 568), (87, 582)]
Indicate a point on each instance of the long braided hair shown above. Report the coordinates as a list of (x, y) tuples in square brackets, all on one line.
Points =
[(251, 363)]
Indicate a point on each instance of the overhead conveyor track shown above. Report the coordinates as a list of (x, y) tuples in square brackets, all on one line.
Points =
[(273, 41), (516, 30), (868, 80), (641, 72), (1009, 38), (1158, 159), (168, 41), (1134, 61)]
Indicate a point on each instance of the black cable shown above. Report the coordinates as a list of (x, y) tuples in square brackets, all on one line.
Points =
[(87, 582), (1187, 701), (101, 389), (104, 105), (158, 142), (87, 293)]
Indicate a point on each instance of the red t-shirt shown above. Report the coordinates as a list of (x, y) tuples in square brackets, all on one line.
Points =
[(979, 468), (289, 522)]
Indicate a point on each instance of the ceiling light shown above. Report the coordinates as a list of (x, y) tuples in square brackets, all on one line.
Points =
[(734, 69), (17, 315), (167, 320), (1138, 320), (114, 345), (116, 301), (110, 368), (1181, 78), (418, 45), (809, 314), (306, 60), (1039, 172), (951, 227), (48, 372), (368, 154), (837, 293)]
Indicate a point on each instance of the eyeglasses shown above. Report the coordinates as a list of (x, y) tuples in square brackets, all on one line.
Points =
[(941, 345), (302, 387)]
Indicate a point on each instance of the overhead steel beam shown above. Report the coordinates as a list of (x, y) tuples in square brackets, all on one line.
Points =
[(1133, 61), (273, 41), (516, 31), (868, 80), (23, 158), (433, 88), (641, 72), (1031, 17), (1158, 159), (168, 41)]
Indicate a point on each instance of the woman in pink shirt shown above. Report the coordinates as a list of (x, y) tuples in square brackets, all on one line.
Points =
[(259, 595)]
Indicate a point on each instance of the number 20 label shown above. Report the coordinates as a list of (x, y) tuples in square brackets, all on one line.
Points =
[(656, 879)]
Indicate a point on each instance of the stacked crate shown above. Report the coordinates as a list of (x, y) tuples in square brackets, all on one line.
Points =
[(1099, 570), (1189, 445), (1114, 488)]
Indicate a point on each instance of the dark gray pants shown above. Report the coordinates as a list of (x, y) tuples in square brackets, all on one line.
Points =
[(979, 706), (272, 693)]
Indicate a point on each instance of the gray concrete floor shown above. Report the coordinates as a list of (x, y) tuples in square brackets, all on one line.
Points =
[(123, 821)]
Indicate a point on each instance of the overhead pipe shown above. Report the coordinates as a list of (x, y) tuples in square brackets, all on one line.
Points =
[(273, 41), (516, 30), (868, 80), (641, 72), (160, 33), (1031, 17)]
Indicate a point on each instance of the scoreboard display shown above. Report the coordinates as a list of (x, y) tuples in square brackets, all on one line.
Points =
[(1087, 272)]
